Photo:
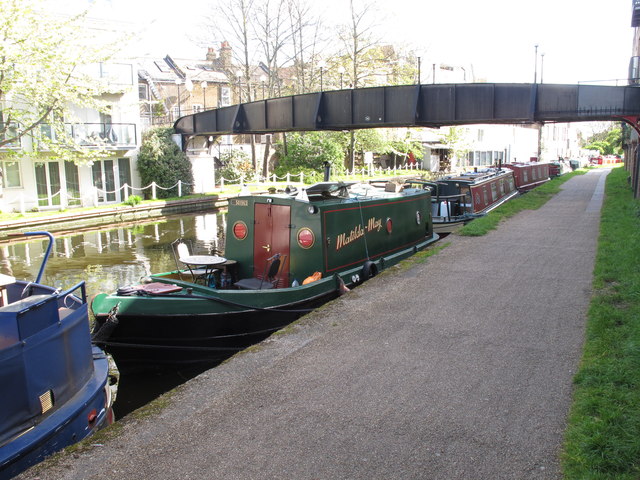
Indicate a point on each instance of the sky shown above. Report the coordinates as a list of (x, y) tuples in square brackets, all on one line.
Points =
[(488, 40)]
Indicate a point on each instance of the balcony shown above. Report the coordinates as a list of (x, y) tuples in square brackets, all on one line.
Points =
[(113, 136)]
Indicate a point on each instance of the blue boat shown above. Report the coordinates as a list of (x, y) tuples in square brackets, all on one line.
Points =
[(56, 387)]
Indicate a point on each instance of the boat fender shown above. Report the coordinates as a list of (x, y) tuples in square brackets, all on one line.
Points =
[(369, 270), (315, 276), (342, 287), (103, 333)]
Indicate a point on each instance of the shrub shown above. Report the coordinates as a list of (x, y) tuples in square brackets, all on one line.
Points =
[(236, 165), (133, 200), (307, 152), (160, 160)]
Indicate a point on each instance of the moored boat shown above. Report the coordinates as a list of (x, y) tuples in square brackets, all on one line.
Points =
[(458, 199), (57, 387), (285, 254), (529, 175)]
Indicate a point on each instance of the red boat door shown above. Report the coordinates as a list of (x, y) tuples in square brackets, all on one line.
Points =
[(272, 234)]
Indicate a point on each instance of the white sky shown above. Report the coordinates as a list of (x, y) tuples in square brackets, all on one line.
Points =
[(582, 40)]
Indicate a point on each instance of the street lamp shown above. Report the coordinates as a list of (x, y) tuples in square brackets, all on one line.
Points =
[(322, 65), (178, 83), (262, 80), (341, 71), (541, 66), (239, 75), (535, 68), (203, 85)]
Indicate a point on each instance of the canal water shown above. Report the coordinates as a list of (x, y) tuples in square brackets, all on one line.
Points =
[(111, 257)]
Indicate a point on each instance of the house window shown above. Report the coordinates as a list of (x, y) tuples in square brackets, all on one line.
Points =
[(197, 108), (10, 174), (225, 96)]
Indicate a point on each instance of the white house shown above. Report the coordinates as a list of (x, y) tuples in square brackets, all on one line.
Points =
[(35, 182)]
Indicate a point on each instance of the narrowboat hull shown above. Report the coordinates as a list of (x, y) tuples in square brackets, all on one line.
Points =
[(528, 176), (458, 199), (57, 387), (344, 240)]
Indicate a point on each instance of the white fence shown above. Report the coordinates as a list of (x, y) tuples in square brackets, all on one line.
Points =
[(92, 198)]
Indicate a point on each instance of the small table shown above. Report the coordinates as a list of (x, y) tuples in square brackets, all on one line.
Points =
[(208, 262)]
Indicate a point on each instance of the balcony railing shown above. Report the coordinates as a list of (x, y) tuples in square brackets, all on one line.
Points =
[(99, 135)]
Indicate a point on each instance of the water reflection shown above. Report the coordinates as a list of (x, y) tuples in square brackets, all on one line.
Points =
[(112, 257)]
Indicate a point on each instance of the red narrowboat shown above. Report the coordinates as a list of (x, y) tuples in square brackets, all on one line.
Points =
[(529, 175)]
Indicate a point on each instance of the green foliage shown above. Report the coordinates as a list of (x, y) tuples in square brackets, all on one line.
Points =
[(133, 200), (160, 160), (46, 65), (607, 142), (603, 437), (307, 152), (237, 165)]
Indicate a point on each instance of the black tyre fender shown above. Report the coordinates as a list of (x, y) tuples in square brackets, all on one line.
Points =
[(369, 270)]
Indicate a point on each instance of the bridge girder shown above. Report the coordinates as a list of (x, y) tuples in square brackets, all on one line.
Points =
[(420, 106)]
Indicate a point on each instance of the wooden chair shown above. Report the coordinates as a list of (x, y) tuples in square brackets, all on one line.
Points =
[(269, 278), (181, 250)]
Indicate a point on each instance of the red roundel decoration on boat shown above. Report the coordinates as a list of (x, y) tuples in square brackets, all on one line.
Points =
[(389, 225), (240, 230), (306, 238)]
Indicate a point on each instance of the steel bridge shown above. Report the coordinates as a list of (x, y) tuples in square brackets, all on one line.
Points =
[(420, 106)]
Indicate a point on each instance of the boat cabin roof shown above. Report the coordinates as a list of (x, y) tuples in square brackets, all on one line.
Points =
[(473, 177)]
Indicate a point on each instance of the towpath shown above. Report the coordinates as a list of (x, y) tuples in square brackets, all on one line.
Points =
[(457, 368)]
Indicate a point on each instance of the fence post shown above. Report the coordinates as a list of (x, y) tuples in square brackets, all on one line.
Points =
[(275, 179), (125, 191), (301, 177), (179, 188), (64, 201), (95, 196), (153, 191), (288, 178), (22, 203), (221, 182)]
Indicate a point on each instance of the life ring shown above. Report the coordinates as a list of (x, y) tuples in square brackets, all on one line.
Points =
[(369, 270)]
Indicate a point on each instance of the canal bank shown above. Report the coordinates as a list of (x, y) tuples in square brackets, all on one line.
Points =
[(81, 219), (458, 367)]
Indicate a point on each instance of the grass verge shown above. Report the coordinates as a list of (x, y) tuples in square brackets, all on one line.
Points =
[(602, 440), (529, 201)]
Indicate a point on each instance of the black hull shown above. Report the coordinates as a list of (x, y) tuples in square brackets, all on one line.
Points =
[(170, 341)]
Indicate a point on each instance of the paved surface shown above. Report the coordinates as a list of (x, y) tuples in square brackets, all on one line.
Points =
[(458, 368)]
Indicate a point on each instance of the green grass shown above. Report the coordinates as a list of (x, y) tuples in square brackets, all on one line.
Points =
[(529, 201), (602, 440)]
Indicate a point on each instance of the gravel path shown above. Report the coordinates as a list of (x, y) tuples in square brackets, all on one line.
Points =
[(458, 368)]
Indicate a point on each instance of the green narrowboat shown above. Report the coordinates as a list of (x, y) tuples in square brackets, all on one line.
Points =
[(285, 254)]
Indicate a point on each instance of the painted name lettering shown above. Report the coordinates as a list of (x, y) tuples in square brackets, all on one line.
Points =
[(344, 239), (240, 203)]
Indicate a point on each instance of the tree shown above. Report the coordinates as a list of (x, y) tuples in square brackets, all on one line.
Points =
[(456, 142), (607, 142), (161, 161), (45, 66), (357, 39), (307, 153)]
